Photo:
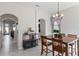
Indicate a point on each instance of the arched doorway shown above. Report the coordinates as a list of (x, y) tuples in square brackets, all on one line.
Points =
[(9, 30), (41, 27)]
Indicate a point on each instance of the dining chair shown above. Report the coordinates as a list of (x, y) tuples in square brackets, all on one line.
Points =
[(59, 47), (44, 45), (72, 44), (57, 35)]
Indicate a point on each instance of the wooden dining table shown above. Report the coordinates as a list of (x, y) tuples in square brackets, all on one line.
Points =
[(66, 41)]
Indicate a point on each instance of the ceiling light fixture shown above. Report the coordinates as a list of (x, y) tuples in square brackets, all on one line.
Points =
[(58, 15)]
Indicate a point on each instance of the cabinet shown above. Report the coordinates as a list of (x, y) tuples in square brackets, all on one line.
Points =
[(29, 40), (30, 43)]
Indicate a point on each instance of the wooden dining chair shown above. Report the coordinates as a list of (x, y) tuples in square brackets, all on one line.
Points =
[(57, 35), (44, 45), (72, 44), (59, 47)]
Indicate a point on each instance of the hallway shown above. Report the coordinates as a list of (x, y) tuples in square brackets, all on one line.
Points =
[(8, 44)]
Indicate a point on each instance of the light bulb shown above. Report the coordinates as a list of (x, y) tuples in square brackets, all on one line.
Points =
[(57, 14), (53, 15), (62, 15)]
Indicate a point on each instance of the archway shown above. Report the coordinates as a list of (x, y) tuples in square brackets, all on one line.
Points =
[(41, 27), (9, 30)]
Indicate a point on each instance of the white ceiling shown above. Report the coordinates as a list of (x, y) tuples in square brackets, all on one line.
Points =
[(52, 6), (49, 6)]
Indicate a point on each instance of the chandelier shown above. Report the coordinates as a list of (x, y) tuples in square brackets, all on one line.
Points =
[(58, 15)]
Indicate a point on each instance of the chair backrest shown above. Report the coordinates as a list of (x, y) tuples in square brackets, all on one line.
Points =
[(43, 40), (58, 40), (72, 35), (59, 47), (58, 35), (63, 34)]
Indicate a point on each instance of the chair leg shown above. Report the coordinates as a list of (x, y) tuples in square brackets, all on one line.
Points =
[(53, 53), (52, 50), (41, 50), (46, 50), (62, 53)]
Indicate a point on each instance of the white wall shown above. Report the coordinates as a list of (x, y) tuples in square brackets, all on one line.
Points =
[(70, 21), (26, 17), (41, 13)]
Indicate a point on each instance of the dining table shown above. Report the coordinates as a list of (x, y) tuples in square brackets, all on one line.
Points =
[(66, 40)]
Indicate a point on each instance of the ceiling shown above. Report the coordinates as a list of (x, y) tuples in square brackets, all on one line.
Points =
[(52, 6), (48, 6)]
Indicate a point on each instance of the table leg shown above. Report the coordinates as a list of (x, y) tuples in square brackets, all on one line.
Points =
[(78, 47), (52, 50), (66, 49), (75, 47)]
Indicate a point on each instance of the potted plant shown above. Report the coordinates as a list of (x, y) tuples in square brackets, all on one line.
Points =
[(56, 31)]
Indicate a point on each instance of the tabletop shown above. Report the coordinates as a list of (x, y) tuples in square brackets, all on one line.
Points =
[(65, 39)]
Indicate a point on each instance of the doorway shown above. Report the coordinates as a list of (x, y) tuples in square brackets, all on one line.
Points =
[(41, 27), (9, 32)]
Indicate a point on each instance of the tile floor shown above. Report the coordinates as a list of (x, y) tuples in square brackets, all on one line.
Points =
[(35, 51), (9, 49), (12, 50)]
